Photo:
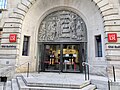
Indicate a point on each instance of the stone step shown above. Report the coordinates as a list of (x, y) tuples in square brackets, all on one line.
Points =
[(8, 85), (102, 84), (19, 84), (22, 85), (89, 87), (14, 84), (86, 83), (48, 83), (1, 86), (59, 85)]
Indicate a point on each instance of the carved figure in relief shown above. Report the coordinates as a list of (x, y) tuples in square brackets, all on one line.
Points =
[(58, 30), (62, 24), (51, 30), (78, 30), (73, 26), (42, 31)]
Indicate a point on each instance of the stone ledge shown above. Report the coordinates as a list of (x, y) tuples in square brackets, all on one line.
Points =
[(14, 20), (113, 57), (16, 10), (26, 3), (113, 22), (16, 43), (108, 25), (113, 52), (102, 3), (97, 1), (110, 12), (106, 7), (12, 25), (16, 15), (8, 52), (22, 7), (13, 30), (7, 56), (32, 1), (7, 34), (6, 40), (112, 28), (111, 17)]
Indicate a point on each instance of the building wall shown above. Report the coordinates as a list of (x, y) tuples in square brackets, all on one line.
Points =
[(94, 26), (24, 17), (5, 13)]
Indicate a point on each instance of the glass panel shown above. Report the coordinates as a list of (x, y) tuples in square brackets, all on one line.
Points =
[(0, 35), (25, 46), (52, 57), (70, 58), (98, 46), (3, 4)]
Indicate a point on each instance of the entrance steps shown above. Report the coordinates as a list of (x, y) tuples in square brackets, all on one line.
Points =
[(48, 82), (1, 86), (20, 84)]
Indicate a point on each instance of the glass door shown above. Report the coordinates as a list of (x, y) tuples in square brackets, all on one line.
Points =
[(61, 57), (52, 57), (71, 61)]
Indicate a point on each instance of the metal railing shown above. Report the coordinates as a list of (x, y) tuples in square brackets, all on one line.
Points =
[(15, 67), (28, 67), (87, 67), (12, 68)]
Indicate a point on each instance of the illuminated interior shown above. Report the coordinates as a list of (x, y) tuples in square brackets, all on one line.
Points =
[(70, 59)]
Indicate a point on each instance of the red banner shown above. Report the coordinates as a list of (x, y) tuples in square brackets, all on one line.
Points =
[(112, 37), (12, 37)]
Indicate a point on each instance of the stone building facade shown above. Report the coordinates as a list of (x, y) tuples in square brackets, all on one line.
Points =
[(34, 22)]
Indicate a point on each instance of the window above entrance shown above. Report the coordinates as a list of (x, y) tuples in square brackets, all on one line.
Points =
[(63, 25)]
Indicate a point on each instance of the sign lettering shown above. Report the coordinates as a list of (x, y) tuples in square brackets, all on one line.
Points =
[(114, 46)]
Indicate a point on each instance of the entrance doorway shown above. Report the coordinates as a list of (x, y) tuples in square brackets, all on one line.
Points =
[(61, 57), (62, 38)]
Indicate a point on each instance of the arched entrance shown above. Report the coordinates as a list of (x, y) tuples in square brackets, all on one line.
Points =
[(62, 40)]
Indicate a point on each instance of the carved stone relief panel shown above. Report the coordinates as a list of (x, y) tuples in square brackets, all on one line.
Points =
[(62, 25)]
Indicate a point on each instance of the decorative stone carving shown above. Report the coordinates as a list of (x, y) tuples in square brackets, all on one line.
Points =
[(61, 25)]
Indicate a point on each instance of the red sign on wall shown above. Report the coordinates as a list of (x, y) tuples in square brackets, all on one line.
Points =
[(112, 37), (12, 37)]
